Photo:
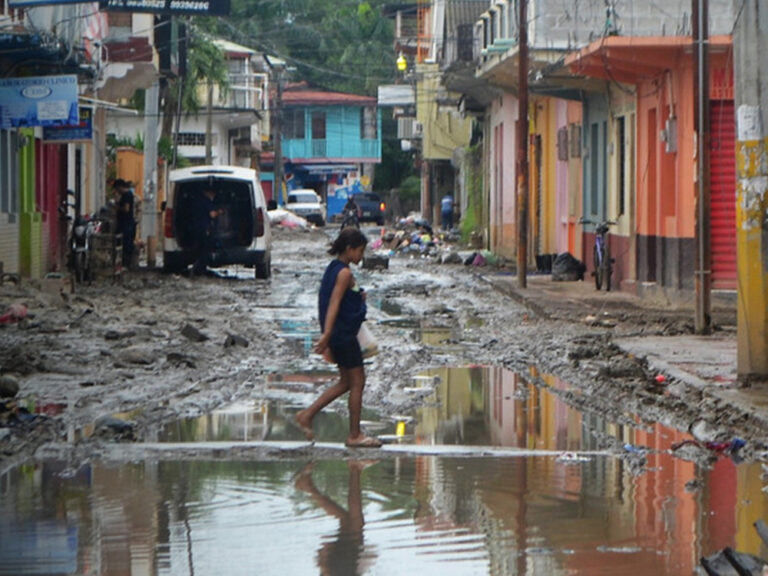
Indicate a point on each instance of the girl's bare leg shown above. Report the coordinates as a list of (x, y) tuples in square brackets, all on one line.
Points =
[(356, 379), (304, 417), (356, 437)]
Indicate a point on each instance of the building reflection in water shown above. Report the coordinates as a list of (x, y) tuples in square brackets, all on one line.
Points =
[(535, 515)]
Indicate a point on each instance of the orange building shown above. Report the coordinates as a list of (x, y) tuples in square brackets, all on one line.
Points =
[(650, 160)]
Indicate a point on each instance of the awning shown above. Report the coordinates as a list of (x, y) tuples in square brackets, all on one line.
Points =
[(325, 168), (632, 59)]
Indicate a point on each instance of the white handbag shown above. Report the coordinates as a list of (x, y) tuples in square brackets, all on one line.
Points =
[(368, 345)]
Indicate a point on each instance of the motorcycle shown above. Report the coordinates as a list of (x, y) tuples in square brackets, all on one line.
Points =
[(350, 219), (83, 229)]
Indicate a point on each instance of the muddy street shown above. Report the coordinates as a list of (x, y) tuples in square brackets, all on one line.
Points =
[(154, 422)]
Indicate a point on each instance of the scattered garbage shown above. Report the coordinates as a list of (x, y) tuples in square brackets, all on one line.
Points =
[(728, 561), (113, 428), (287, 219), (567, 268), (729, 447), (14, 414), (572, 458), (16, 312), (414, 236), (375, 262), (9, 386)]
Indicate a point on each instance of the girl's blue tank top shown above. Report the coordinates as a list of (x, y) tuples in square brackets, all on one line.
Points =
[(352, 309)]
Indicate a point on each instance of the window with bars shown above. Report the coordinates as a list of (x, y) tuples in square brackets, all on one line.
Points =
[(368, 124), (193, 139), (575, 140), (562, 144), (293, 124), (318, 125), (465, 42)]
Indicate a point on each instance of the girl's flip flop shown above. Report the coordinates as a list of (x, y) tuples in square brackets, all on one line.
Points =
[(365, 442)]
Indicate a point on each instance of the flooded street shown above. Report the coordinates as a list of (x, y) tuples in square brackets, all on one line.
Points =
[(165, 444)]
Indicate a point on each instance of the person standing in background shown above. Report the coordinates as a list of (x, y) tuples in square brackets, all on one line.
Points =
[(206, 222), (126, 221), (446, 211)]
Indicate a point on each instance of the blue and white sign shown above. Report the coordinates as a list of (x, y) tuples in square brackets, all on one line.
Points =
[(38, 101), (28, 3), (80, 132)]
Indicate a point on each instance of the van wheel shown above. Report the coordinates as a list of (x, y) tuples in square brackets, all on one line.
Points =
[(264, 270)]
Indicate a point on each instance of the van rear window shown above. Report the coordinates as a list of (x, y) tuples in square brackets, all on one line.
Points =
[(233, 198)]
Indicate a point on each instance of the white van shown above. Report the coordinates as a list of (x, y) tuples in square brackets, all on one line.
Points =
[(242, 234), (307, 204)]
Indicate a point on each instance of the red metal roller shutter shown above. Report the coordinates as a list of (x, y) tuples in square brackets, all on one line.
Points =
[(723, 195)]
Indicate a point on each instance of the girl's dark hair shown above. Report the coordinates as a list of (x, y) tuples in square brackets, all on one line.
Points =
[(351, 237)]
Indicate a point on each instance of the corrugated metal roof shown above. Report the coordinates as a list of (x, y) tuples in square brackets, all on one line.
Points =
[(308, 97), (464, 12)]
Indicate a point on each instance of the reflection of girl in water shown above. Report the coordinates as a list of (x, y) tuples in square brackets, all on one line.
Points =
[(345, 554)]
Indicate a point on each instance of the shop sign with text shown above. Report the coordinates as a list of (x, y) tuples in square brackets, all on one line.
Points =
[(80, 132), (199, 7), (38, 101)]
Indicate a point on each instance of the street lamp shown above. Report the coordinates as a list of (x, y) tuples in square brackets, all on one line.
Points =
[(402, 63)]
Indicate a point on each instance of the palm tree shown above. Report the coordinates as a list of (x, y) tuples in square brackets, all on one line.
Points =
[(206, 66)]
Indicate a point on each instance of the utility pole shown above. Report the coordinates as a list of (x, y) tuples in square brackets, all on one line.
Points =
[(703, 273), (750, 41), (522, 147), (277, 135), (149, 201), (209, 125)]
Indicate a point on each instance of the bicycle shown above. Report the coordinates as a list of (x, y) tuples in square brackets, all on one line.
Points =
[(601, 255)]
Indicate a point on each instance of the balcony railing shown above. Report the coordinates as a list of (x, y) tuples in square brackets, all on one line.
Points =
[(243, 92), (369, 148), (319, 149), (300, 148)]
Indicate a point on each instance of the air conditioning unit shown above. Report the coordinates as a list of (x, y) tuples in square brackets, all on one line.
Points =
[(405, 127), (418, 129)]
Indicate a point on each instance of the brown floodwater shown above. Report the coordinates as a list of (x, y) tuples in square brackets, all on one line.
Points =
[(559, 512)]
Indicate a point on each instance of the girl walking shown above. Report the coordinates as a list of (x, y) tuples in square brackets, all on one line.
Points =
[(342, 309)]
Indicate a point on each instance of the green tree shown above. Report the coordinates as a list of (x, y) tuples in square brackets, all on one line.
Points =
[(207, 66), (344, 45), (396, 165)]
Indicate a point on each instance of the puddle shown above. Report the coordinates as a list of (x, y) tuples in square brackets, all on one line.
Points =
[(388, 307), (400, 322), (259, 420), (438, 336), (299, 335), (472, 405), (492, 406), (530, 515), (525, 516)]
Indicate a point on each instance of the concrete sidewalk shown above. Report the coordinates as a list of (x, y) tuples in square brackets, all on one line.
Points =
[(706, 362)]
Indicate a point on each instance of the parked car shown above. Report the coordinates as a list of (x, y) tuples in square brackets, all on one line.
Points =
[(372, 207), (242, 234), (307, 204)]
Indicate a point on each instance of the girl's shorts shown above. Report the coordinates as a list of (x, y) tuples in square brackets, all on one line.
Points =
[(348, 355)]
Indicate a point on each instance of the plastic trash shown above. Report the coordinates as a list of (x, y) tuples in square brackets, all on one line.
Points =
[(15, 313)]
